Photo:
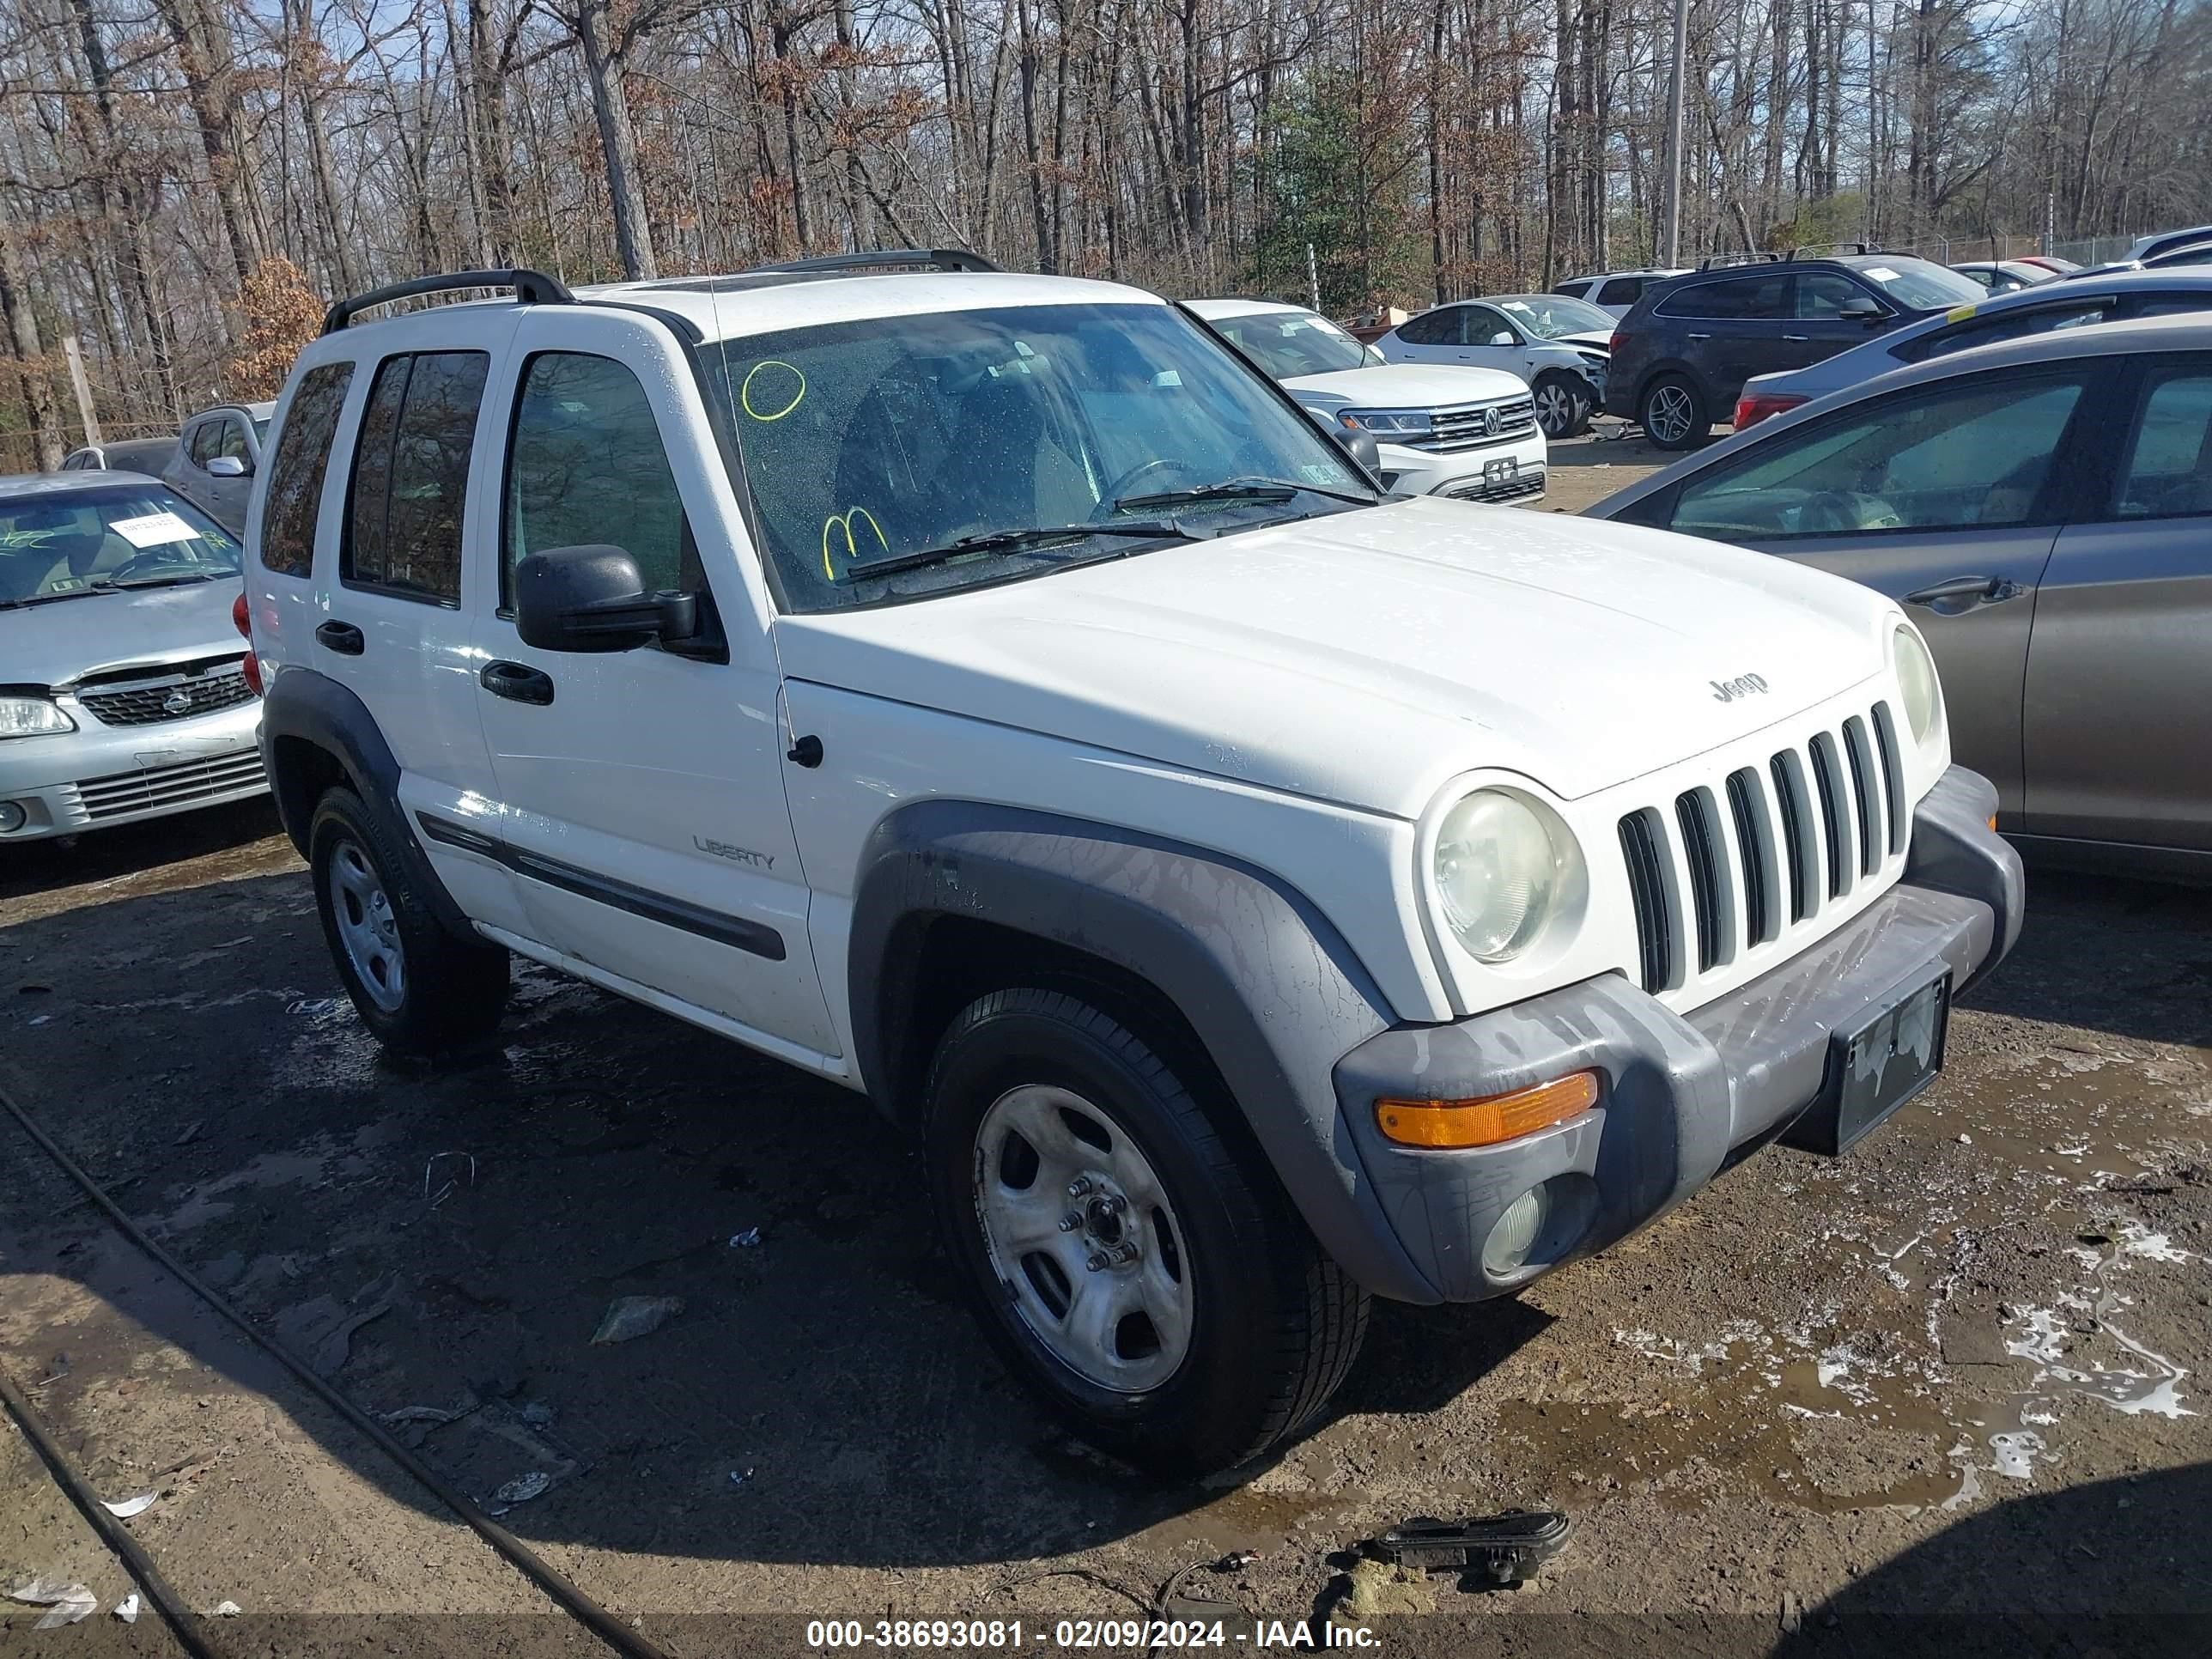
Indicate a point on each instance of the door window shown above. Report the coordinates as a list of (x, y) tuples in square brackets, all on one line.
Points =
[(410, 475), (1738, 297), (1821, 296), (232, 441), (1434, 328), (1972, 455), (587, 467), (2168, 472), (295, 475), (1482, 322), (1621, 291)]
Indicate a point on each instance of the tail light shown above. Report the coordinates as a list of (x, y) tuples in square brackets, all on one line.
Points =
[(1614, 343), (242, 617), (1755, 406)]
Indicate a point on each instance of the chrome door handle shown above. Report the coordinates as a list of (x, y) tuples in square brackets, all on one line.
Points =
[(1696, 337), (1796, 339)]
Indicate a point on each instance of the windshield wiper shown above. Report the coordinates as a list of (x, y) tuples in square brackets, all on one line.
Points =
[(171, 581), (1003, 541), (1241, 489)]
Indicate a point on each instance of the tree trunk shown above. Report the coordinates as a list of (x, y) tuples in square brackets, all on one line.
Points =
[(30, 355), (617, 142)]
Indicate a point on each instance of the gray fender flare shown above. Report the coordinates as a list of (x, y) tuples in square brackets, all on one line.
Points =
[(317, 710), (1270, 987)]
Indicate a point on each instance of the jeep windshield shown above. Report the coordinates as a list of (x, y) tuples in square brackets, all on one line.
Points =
[(890, 458), (104, 538)]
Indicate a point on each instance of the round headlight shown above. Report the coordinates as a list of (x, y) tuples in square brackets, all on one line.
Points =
[(1923, 693), (1500, 869)]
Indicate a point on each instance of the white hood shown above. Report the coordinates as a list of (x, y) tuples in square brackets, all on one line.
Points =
[(1368, 657), (1403, 385)]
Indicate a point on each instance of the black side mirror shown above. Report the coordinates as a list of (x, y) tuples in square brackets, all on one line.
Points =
[(592, 598), (1860, 311), (1360, 445)]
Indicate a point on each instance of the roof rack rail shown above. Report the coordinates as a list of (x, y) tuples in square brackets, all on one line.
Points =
[(932, 259), (1721, 261), (531, 287), (1831, 250)]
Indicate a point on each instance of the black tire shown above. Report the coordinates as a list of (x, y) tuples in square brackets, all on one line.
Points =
[(1562, 404), (1274, 1324), (1673, 414), (448, 993)]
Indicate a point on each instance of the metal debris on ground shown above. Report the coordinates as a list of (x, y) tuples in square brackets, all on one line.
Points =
[(1490, 1550), (520, 1490), (65, 1603), (130, 1506), (631, 1316), (1205, 1609), (745, 1240), (53, 1373), (127, 1608), (316, 1007)]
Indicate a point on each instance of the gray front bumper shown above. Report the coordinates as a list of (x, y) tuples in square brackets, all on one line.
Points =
[(1681, 1093)]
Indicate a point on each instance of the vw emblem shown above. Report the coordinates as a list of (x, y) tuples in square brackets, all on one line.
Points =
[(179, 701), (1490, 422)]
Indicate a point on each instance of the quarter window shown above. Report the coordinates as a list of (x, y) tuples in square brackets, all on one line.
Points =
[(410, 475), (1964, 456), (586, 466), (2166, 474), (295, 475)]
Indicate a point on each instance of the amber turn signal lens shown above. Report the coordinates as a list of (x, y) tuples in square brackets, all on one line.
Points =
[(1993, 821), (1486, 1121)]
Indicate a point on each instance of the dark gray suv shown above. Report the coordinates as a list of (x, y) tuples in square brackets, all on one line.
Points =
[(1685, 349)]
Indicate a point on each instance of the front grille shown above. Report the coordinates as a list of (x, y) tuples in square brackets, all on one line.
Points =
[(170, 697), (1468, 426), (1517, 488), (123, 793), (1710, 885)]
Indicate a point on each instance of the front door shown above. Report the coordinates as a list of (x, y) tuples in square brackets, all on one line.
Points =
[(1819, 329), (642, 790), (1948, 498), (1493, 342), (2118, 721)]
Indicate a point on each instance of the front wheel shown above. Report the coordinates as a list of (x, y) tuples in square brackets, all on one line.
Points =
[(1563, 405), (1131, 1263), (1674, 413)]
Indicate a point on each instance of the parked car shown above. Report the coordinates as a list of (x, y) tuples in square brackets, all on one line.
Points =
[(990, 693), (2048, 263), (1614, 292), (126, 697), (1555, 346), (144, 455), (1683, 354), (2044, 508), (216, 456), (1467, 433), (2006, 317), (2005, 276), (2162, 243)]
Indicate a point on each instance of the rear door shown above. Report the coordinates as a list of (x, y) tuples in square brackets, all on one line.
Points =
[(1434, 337), (2118, 720), (1946, 497), (1730, 330)]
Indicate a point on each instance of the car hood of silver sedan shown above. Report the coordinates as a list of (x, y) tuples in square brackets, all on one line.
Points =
[(56, 642)]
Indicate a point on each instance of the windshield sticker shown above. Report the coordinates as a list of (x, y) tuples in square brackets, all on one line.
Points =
[(152, 530), (1959, 313), (843, 521), (765, 411), (1882, 273)]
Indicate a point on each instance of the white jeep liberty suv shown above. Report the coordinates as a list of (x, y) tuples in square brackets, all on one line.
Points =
[(990, 693)]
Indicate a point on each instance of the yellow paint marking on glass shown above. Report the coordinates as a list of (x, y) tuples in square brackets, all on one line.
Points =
[(745, 391), (844, 521)]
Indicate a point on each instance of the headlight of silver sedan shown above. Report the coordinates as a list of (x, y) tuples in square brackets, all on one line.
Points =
[(32, 717), (1501, 865)]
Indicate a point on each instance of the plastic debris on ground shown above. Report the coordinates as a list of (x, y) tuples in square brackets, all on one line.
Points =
[(316, 1007), (1489, 1550), (127, 1608), (520, 1490), (64, 1603), (739, 1476), (747, 1240), (130, 1506), (225, 1610), (632, 1317)]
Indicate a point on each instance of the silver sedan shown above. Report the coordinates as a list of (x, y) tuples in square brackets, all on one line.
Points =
[(2042, 507)]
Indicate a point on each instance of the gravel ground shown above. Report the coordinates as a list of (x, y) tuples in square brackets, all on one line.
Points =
[(1941, 1395)]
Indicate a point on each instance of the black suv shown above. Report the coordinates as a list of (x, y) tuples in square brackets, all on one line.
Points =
[(1685, 349)]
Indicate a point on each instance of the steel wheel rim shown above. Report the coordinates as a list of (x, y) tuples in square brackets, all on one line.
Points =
[(1080, 1233), (1555, 410), (367, 930), (1666, 416)]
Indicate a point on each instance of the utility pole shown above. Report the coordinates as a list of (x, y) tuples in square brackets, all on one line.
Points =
[(85, 414), (1671, 227)]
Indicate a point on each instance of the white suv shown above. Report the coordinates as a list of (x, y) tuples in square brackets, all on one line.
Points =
[(989, 693), (1468, 433)]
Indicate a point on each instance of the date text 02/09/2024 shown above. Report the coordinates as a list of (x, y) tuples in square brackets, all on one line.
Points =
[(1109, 1635)]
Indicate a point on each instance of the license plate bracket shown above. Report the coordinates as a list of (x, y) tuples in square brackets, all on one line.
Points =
[(1878, 1065), (1497, 470)]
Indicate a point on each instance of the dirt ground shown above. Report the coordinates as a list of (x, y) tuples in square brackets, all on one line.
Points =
[(1944, 1395)]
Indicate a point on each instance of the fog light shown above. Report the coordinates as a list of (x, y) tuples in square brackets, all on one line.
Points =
[(12, 816), (1506, 1250)]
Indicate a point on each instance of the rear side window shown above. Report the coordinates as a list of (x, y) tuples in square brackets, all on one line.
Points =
[(1574, 290), (2005, 326), (587, 467), (410, 475), (1745, 297), (1440, 327), (295, 475), (2169, 469), (1621, 291)]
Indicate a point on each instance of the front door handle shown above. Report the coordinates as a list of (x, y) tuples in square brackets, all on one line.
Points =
[(517, 681), (1796, 339), (341, 638), (1963, 593), (1697, 337)]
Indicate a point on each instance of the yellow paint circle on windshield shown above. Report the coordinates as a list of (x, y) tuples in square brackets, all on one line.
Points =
[(745, 391)]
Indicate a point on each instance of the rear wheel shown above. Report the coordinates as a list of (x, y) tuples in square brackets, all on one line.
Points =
[(420, 989), (1674, 413), (1131, 1263), (1562, 404)]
